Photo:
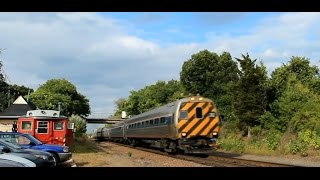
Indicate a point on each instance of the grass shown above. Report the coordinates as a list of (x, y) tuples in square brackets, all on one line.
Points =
[(84, 145)]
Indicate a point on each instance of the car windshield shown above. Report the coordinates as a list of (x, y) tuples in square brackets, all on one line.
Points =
[(33, 139), (9, 144)]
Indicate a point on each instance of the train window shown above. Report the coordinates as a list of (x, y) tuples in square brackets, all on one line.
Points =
[(162, 120), (199, 112), (147, 123), (168, 120), (183, 114), (142, 124), (43, 127), (151, 122), (26, 125), (156, 121), (58, 125), (139, 124)]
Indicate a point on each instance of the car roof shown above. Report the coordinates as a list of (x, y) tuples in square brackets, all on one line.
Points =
[(10, 157)]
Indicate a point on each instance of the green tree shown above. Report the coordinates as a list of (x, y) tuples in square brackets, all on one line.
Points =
[(250, 101), (149, 97), (80, 125), (120, 106), (298, 107), (212, 76), (16, 91), (292, 96), (55, 91), (4, 89), (300, 66)]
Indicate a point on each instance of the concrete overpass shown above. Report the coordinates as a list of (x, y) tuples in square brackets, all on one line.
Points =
[(102, 120)]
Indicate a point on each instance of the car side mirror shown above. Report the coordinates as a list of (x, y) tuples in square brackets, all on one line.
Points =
[(6, 150)]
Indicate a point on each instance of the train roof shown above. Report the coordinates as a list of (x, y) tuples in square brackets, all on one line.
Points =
[(166, 109)]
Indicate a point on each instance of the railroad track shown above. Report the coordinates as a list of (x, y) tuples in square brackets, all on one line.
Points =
[(215, 159)]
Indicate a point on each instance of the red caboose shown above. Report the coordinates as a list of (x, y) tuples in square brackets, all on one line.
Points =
[(47, 126)]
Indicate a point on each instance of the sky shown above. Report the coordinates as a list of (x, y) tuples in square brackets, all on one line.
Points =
[(106, 55)]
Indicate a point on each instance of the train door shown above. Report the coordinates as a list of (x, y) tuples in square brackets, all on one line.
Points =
[(59, 132), (43, 131)]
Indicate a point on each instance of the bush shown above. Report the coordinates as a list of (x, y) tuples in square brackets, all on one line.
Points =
[(273, 139), (232, 142), (306, 139)]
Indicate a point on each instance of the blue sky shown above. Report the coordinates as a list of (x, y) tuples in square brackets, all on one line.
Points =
[(106, 55)]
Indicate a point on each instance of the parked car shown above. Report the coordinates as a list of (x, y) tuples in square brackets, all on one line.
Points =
[(9, 160), (40, 158), (60, 153)]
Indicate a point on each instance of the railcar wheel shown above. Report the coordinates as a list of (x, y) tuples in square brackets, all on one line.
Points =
[(171, 148), (133, 143)]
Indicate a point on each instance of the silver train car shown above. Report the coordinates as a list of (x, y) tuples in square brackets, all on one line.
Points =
[(188, 125)]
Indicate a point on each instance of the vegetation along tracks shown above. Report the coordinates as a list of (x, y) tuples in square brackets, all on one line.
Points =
[(214, 160)]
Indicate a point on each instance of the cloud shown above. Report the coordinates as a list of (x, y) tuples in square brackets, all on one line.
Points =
[(105, 61)]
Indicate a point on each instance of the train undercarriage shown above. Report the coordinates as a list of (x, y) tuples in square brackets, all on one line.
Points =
[(178, 146)]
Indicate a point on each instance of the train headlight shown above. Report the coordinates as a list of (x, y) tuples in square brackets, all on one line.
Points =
[(184, 134), (214, 133), (212, 114)]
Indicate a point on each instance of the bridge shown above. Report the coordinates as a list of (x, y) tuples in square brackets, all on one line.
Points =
[(92, 120)]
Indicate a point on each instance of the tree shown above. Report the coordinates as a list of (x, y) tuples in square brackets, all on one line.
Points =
[(300, 66), (120, 106), (250, 101), (4, 89), (16, 91), (55, 91), (298, 107), (212, 76), (80, 125), (149, 97)]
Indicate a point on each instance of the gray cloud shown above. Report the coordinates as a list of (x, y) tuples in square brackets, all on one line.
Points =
[(105, 63)]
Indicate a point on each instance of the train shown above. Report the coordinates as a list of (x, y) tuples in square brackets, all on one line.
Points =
[(189, 125)]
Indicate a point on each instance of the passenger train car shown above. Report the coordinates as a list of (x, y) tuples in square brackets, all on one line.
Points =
[(188, 125)]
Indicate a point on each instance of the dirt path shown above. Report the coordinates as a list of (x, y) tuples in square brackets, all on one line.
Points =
[(118, 156)]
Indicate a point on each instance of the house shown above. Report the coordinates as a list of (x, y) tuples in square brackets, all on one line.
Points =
[(11, 114)]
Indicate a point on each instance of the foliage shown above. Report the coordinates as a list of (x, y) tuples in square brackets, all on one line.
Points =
[(84, 145), (299, 66), (250, 98), (212, 76), (307, 139), (298, 106), (232, 142), (55, 91), (79, 124), (273, 139), (149, 97), (4, 89)]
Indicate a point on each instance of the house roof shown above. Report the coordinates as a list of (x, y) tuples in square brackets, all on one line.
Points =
[(18, 108)]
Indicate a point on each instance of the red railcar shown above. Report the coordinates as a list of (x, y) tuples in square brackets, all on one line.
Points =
[(47, 126)]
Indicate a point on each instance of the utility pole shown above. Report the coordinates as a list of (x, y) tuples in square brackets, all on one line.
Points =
[(28, 95), (9, 97), (59, 106)]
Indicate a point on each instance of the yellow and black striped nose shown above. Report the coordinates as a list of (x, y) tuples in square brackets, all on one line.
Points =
[(196, 120)]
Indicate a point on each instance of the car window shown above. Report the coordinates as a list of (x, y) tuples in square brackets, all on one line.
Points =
[(23, 140)]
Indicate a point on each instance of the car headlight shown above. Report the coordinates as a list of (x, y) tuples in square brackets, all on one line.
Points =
[(184, 134), (66, 149), (42, 157)]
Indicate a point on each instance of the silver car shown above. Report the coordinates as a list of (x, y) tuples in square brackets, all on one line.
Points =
[(8, 160)]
